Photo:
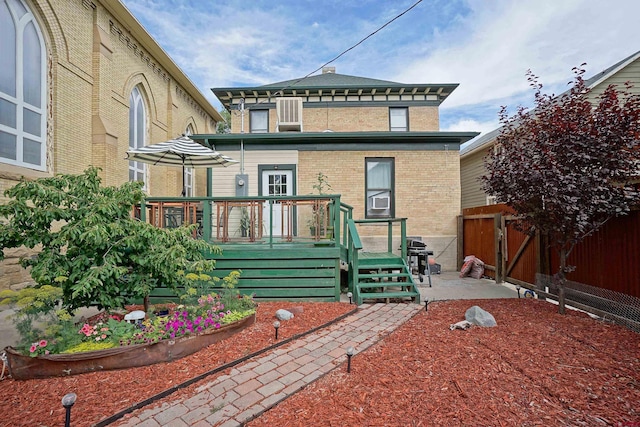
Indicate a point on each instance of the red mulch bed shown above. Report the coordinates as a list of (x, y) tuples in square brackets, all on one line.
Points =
[(536, 368), (102, 394)]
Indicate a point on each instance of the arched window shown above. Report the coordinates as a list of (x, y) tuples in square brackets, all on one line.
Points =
[(137, 135), (22, 87), (189, 183)]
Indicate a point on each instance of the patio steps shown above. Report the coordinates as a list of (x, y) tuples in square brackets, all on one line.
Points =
[(383, 277)]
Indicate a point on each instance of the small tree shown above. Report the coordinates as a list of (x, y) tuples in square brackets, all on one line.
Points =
[(566, 167), (88, 243)]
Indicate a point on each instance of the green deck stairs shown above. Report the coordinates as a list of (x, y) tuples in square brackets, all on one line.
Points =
[(383, 277)]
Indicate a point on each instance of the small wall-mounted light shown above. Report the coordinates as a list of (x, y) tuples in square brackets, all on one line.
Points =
[(350, 295), (276, 326), (350, 352), (67, 401)]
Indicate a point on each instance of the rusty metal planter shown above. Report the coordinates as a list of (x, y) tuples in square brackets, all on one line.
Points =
[(23, 367)]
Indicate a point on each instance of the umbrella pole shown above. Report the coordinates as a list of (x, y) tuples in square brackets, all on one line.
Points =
[(184, 187)]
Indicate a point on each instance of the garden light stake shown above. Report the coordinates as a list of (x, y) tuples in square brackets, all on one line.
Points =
[(67, 401), (276, 325), (350, 351)]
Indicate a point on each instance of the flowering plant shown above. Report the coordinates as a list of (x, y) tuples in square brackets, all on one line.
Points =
[(97, 332), (39, 348)]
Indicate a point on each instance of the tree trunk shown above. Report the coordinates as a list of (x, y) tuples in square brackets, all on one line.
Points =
[(561, 280), (146, 303)]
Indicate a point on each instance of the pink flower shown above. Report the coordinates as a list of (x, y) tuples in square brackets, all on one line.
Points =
[(33, 348), (46, 352), (103, 336), (43, 343)]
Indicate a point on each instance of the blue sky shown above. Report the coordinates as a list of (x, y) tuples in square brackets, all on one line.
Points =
[(484, 45)]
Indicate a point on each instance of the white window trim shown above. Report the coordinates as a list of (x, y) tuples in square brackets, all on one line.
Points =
[(18, 100)]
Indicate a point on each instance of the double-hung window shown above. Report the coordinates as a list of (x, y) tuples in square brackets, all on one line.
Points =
[(259, 121), (379, 182), (22, 87), (398, 119)]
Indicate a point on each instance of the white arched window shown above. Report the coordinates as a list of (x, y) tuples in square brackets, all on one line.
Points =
[(22, 87), (137, 135), (189, 183)]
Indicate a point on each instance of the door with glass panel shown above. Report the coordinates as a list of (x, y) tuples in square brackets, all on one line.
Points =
[(277, 183)]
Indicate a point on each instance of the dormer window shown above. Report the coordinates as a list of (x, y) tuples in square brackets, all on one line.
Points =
[(398, 119)]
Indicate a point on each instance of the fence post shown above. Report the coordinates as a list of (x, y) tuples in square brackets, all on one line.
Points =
[(498, 233)]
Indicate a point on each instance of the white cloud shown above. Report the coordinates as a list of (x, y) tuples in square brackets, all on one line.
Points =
[(489, 49), (470, 125)]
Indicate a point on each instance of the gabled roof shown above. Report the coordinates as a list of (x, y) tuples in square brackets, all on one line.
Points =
[(591, 82), (331, 84)]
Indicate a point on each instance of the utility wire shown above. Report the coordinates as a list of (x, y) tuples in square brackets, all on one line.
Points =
[(344, 52)]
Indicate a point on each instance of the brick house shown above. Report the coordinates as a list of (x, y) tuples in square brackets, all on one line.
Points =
[(81, 82), (378, 143)]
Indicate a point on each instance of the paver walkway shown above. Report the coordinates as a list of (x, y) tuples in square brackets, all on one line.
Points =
[(260, 383)]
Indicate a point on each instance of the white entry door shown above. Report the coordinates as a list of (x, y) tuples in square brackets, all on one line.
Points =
[(277, 183)]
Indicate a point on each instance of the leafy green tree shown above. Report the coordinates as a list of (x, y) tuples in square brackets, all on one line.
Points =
[(225, 126), (568, 166), (87, 242)]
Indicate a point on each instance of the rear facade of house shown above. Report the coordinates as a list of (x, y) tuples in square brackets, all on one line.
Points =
[(377, 143)]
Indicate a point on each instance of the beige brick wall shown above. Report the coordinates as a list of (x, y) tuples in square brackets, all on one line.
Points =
[(94, 63), (427, 191), (348, 119)]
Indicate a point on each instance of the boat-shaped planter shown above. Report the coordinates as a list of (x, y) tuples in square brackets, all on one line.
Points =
[(23, 367)]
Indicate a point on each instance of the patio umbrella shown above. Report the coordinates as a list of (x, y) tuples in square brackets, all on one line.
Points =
[(182, 151)]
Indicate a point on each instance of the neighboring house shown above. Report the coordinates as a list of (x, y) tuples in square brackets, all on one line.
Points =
[(378, 142), (472, 154), (81, 81)]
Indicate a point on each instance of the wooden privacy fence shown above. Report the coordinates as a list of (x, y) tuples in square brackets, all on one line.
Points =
[(608, 259)]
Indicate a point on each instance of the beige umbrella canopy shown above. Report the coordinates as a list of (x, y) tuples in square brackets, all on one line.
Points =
[(182, 151)]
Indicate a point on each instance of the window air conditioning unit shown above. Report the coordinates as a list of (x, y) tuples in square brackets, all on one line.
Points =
[(289, 111), (381, 202)]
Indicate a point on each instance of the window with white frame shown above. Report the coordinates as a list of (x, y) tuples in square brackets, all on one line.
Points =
[(259, 121), (189, 175), (137, 135), (22, 87), (398, 119), (379, 182)]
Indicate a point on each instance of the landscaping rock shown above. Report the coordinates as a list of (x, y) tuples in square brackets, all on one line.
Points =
[(282, 314), (480, 317), (464, 325)]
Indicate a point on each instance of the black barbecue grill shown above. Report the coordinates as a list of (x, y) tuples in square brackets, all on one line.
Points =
[(418, 253)]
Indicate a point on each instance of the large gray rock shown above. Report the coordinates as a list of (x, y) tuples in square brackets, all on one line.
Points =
[(480, 317), (282, 314)]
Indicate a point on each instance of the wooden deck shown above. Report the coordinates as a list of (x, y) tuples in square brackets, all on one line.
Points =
[(296, 265)]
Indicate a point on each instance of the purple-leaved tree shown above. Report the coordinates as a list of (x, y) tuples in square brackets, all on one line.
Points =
[(568, 165)]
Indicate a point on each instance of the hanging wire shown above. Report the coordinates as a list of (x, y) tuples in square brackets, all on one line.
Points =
[(344, 52)]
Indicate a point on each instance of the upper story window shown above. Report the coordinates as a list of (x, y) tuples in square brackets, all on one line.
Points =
[(22, 88), (379, 182), (188, 178), (137, 135), (398, 119), (259, 121)]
